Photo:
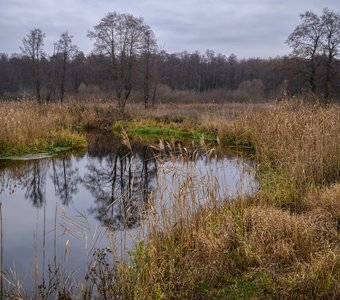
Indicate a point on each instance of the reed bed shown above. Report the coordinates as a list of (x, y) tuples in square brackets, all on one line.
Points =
[(298, 149)]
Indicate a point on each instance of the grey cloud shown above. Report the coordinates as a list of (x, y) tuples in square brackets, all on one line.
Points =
[(248, 28)]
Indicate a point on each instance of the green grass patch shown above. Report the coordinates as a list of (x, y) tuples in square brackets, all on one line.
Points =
[(154, 130), (257, 286)]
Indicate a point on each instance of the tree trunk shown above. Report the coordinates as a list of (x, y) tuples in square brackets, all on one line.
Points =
[(154, 96), (37, 81), (63, 75), (328, 80), (312, 76), (146, 88)]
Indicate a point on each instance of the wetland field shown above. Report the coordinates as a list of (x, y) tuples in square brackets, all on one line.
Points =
[(182, 201)]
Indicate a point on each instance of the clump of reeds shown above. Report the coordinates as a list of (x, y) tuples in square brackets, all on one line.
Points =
[(297, 145), (27, 126), (230, 248), (297, 148)]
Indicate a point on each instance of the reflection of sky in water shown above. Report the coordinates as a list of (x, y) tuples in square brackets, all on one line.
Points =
[(185, 186), (107, 187)]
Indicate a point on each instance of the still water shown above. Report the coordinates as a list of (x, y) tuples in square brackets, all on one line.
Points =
[(58, 210)]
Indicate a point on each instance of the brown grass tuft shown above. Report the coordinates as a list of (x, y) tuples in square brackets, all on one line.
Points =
[(318, 280), (277, 239), (299, 144), (27, 126), (323, 208)]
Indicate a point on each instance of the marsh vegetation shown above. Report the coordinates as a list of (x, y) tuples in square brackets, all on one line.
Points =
[(163, 218)]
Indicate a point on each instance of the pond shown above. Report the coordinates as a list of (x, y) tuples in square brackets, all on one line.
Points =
[(59, 210)]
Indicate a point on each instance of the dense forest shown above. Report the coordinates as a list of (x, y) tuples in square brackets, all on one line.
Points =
[(133, 67)]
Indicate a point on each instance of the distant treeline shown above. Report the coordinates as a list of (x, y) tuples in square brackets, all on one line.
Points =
[(180, 71), (127, 64)]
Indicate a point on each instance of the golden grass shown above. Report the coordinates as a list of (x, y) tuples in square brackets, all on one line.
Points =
[(299, 145), (277, 239), (219, 112), (320, 279), (266, 251), (27, 127)]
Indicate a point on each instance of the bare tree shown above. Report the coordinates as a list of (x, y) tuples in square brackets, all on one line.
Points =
[(232, 62), (51, 76), (33, 48), (149, 46), (66, 51), (118, 37), (306, 42), (330, 43)]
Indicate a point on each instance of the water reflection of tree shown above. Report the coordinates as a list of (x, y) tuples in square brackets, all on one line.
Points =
[(28, 175), (31, 176), (65, 179), (6, 182), (34, 181), (120, 180)]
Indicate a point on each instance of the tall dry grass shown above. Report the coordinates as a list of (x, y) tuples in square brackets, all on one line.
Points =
[(297, 147), (26, 126), (236, 250)]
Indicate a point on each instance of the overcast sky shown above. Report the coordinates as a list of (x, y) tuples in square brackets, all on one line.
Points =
[(248, 28)]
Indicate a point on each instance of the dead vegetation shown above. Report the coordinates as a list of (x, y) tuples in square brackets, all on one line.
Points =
[(28, 127)]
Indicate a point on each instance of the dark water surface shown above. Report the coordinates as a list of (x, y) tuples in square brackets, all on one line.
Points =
[(58, 210)]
